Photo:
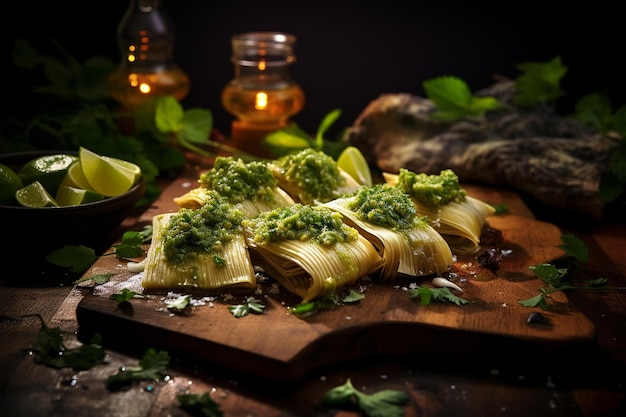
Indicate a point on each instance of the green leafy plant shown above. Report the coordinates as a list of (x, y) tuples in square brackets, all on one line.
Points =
[(152, 367), (426, 295), (51, 350), (385, 403), (292, 138), (540, 82), (454, 100), (252, 305)]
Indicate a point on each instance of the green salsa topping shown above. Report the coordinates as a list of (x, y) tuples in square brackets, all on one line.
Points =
[(384, 205), (303, 223), (431, 190), (239, 181), (203, 231), (314, 172)]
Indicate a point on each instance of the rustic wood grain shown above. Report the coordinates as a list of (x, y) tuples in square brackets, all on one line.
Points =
[(386, 323)]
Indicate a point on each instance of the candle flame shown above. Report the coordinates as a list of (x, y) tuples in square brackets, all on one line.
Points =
[(144, 88), (261, 101)]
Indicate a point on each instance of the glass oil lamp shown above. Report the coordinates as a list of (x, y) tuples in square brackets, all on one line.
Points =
[(145, 37), (262, 95)]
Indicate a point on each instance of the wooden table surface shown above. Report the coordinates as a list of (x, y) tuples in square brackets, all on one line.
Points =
[(514, 382)]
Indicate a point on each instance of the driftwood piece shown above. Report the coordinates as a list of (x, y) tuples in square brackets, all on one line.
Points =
[(552, 158)]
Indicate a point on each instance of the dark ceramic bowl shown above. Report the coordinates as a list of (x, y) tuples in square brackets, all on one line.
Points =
[(38, 231)]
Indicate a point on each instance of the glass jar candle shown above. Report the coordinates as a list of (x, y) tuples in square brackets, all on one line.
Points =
[(262, 94)]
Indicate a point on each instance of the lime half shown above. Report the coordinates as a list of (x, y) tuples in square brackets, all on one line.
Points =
[(49, 170), (352, 161), (35, 195), (108, 176)]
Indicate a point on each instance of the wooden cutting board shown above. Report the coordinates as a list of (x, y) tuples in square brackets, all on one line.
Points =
[(387, 323)]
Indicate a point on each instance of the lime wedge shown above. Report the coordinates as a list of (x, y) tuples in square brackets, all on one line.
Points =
[(71, 196), (352, 161), (106, 175), (10, 182), (75, 177), (49, 170), (35, 195)]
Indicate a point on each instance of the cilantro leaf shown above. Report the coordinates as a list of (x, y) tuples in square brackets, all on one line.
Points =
[(201, 405), (539, 82), (125, 295), (427, 294), (76, 258), (130, 246), (574, 247), (51, 350), (152, 366), (251, 305), (385, 403), (98, 279)]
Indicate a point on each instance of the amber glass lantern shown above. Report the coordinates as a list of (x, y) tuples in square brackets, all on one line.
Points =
[(262, 94), (145, 37)]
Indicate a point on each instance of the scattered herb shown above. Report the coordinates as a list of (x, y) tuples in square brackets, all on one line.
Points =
[(385, 403), (501, 208), (125, 295), (179, 303), (152, 367), (130, 246), (328, 301), (97, 279), (427, 294), (51, 350), (200, 405), (80, 258), (574, 247), (554, 277), (252, 305), (76, 258)]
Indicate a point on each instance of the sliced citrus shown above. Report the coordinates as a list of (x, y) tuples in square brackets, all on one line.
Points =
[(71, 196), (107, 175), (126, 164), (10, 182), (35, 195), (353, 162), (75, 177), (49, 170)]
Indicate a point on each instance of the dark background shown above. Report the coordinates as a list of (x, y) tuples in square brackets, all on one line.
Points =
[(349, 52)]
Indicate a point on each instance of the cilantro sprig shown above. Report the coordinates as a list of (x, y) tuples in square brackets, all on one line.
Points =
[(51, 350), (385, 403), (152, 367), (292, 138), (555, 278), (426, 295), (328, 301)]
